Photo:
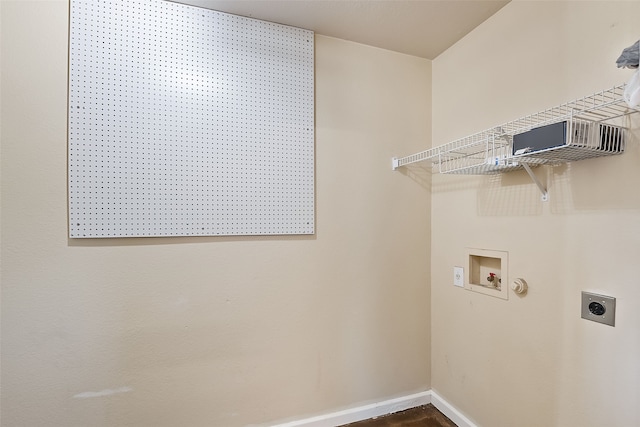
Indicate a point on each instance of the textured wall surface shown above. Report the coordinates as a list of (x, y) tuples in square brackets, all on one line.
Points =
[(532, 361), (214, 331)]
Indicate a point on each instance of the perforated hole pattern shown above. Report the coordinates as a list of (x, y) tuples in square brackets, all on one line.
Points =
[(186, 121)]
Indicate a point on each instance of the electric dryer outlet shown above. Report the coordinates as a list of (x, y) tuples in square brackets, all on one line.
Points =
[(598, 308)]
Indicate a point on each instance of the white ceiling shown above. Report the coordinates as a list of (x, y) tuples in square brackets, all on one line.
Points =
[(423, 28)]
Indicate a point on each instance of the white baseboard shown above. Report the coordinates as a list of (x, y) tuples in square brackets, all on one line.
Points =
[(450, 411), (363, 412), (383, 408)]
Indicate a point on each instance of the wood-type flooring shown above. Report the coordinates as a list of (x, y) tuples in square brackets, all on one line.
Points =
[(422, 416)]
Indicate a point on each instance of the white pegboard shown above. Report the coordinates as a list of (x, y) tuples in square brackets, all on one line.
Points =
[(188, 122)]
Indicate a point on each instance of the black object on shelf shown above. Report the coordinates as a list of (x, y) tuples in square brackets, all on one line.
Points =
[(541, 138)]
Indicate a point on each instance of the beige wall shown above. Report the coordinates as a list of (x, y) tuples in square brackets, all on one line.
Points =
[(532, 361), (214, 331), (238, 331)]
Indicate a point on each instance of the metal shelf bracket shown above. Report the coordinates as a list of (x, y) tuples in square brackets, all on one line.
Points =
[(534, 178)]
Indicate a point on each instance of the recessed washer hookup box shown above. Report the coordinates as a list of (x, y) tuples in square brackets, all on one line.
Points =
[(541, 138)]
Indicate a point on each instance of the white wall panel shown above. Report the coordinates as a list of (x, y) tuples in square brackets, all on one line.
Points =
[(185, 121)]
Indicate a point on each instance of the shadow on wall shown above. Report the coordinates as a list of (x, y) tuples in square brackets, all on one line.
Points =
[(180, 240), (510, 194), (453, 182), (598, 184), (420, 173), (507, 194), (589, 185)]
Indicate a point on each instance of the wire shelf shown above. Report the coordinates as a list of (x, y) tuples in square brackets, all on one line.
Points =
[(584, 140), (589, 134)]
